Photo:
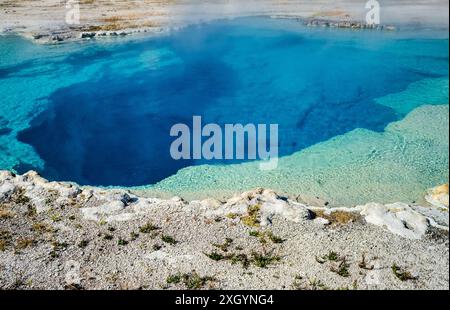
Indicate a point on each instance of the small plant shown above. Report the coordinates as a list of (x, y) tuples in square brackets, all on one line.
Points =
[(5, 239), (192, 280), (401, 274), (315, 284), (224, 246), (312, 284), (174, 279), (363, 264), (252, 219), (342, 269), (232, 216), (215, 256), (264, 260), (332, 256), (23, 243), (49, 201), (122, 242), (22, 199), (41, 228), (148, 228), (241, 258), (254, 233), (31, 211), (156, 247), (168, 239), (134, 236), (83, 243), (108, 237), (265, 236), (57, 248), (55, 218), (274, 238), (3, 245)]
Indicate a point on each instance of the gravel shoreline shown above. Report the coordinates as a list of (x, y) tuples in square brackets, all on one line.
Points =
[(62, 236)]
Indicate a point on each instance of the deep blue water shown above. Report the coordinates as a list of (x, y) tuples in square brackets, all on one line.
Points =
[(113, 128)]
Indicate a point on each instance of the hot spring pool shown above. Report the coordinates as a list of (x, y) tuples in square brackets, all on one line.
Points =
[(362, 115)]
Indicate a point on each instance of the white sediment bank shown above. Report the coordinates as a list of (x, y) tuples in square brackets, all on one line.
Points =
[(48, 225), (45, 21)]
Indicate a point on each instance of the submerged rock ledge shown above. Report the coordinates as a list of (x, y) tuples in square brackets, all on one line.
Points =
[(61, 235)]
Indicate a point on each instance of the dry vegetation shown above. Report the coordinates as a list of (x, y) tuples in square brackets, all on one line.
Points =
[(338, 217)]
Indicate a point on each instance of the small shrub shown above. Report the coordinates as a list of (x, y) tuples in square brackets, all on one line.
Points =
[(41, 228), (134, 235), (192, 280), (5, 239), (83, 243), (174, 279), (215, 256), (224, 246), (252, 219), (148, 228), (23, 243), (274, 238), (254, 233), (264, 260), (108, 237), (122, 242), (168, 239), (363, 264), (156, 247), (342, 269), (401, 274), (241, 258)]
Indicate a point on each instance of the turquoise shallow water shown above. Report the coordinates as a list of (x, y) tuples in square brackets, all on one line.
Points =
[(350, 106)]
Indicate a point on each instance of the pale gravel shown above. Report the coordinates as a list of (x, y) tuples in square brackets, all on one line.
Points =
[(103, 264)]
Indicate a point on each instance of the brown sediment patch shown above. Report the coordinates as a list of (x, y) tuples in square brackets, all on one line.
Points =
[(338, 217), (334, 13), (121, 25), (5, 213)]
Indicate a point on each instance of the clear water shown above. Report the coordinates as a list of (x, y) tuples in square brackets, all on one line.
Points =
[(99, 113)]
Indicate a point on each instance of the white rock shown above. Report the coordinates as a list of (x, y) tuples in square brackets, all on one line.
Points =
[(6, 189), (5, 175), (173, 260), (321, 221), (271, 205), (103, 212), (399, 218), (211, 203)]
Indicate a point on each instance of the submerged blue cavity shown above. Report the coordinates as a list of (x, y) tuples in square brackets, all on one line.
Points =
[(112, 126)]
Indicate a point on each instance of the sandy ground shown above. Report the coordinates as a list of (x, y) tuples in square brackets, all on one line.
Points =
[(46, 20), (60, 236)]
